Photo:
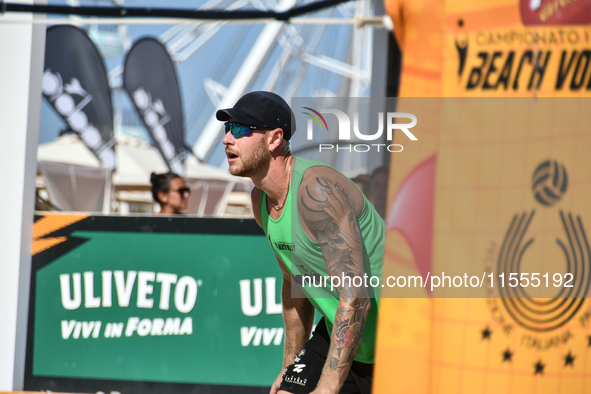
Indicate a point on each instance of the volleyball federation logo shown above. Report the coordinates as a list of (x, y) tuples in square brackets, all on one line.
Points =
[(549, 182), (541, 312)]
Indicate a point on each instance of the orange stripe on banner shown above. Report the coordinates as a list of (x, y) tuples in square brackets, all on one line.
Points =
[(421, 72), (483, 19), (39, 245), (49, 224)]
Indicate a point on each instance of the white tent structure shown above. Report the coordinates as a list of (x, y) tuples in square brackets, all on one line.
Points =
[(66, 163)]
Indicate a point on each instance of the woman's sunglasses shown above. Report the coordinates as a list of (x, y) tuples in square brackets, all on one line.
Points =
[(239, 130), (182, 191)]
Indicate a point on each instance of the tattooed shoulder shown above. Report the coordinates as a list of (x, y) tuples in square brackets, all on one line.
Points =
[(326, 210), (322, 199)]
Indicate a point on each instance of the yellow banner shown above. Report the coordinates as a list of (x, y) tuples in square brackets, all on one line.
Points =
[(518, 61), (511, 185), (504, 48)]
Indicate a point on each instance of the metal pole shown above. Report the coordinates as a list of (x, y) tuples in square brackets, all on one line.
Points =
[(23, 48), (376, 23), (126, 12)]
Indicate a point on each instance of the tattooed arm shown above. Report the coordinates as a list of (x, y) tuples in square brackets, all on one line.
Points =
[(328, 206)]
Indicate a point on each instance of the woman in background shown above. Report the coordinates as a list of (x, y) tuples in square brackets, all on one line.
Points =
[(363, 182), (171, 192)]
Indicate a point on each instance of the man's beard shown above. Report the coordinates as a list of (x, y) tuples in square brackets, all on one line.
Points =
[(257, 161)]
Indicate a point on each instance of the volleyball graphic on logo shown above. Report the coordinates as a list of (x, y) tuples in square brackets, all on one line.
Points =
[(549, 182)]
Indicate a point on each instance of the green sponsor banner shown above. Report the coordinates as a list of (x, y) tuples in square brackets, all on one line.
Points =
[(178, 300)]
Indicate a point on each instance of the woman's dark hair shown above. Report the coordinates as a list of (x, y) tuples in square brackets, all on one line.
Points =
[(161, 183)]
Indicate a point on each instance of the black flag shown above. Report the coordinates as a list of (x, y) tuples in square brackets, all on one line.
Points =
[(150, 80), (75, 83)]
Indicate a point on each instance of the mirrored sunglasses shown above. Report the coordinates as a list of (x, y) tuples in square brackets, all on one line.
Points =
[(240, 130)]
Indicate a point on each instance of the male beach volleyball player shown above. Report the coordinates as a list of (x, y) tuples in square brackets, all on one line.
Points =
[(319, 225)]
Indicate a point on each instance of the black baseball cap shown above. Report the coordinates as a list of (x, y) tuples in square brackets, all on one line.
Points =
[(261, 108)]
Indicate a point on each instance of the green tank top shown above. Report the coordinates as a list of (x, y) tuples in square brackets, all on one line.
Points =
[(302, 256)]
